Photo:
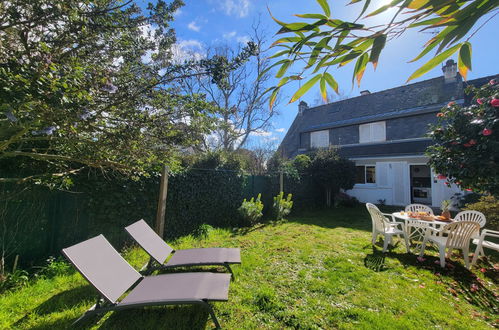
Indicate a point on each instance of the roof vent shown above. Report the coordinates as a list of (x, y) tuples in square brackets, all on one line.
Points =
[(366, 92), (450, 71)]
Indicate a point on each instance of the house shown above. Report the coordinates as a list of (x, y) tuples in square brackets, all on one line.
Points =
[(384, 133)]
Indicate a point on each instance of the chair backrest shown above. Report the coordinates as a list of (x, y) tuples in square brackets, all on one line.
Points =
[(418, 208), (149, 240), (103, 267), (474, 216), (377, 218), (460, 233)]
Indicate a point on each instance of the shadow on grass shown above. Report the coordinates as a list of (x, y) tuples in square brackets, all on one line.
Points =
[(457, 279), (355, 218)]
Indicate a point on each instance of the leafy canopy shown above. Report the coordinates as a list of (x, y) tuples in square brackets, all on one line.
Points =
[(466, 148), (321, 42)]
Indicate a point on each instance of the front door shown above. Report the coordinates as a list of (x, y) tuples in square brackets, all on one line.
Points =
[(420, 178)]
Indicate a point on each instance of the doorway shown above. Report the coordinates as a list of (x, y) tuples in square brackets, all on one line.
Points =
[(420, 178)]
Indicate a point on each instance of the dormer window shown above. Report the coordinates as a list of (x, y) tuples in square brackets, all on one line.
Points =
[(372, 132), (319, 139)]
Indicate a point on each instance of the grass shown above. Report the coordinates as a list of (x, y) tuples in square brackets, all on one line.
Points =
[(318, 270)]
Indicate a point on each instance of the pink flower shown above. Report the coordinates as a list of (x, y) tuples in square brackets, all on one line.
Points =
[(450, 104), (483, 270), (492, 82), (420, 259), (472, 142), (468, 189), (494, 103), (467, 145), (479, 101), (487, 131), (441, 177), (422, 286), (440, 114), (474, 287), (454, 143)]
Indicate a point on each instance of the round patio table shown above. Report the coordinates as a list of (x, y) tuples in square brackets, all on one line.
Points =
[(415, 229)]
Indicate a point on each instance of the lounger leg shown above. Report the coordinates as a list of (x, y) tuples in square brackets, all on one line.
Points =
[(89, 312), (213, 316), (232, 277)]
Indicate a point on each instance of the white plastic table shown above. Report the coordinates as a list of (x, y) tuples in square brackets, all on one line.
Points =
[(419, 227)]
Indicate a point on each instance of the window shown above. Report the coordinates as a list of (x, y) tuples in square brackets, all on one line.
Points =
[(365, 174), (372, 132), (319, 139)]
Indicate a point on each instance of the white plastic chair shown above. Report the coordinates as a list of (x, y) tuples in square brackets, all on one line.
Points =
[(458, 237), (474, 216), (382, 225), (481, 243), (418, 208)]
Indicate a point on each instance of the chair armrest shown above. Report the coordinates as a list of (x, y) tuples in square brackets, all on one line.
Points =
[(390, 215), (489, 232)]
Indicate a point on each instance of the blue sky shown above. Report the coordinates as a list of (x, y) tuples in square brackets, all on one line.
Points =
[(202, 23)]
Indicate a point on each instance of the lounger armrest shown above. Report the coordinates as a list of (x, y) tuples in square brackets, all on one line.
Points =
[(489, 232)]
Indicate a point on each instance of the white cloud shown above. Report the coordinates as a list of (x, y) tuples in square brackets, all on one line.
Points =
[(280, 130), (243, 39), (188, 50), (261, 132), (193, 26), (238, 8), (178, 12), (229, 35)]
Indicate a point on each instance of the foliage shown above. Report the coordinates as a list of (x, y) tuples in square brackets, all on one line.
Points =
[(302, 163), (88, 86), (344, 200), (203, 231), (55, 267), (489, 206), (466, 149), (282, 206), (217, 160), (14, 280), (445, 205), (290, 275), (251, 211), (323, 41), (332, 172)]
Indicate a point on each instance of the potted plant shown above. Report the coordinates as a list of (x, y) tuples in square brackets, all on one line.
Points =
[(446, 203)]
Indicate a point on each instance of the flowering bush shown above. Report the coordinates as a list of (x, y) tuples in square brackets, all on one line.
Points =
[(466, 150), (252, 210)]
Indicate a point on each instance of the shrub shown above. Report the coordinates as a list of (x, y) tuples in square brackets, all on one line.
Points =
[(14, 280), (489, 206), (342, 199), (203, 231), (282, 206), (251, 211)]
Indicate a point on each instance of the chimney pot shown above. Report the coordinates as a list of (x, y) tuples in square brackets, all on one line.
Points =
[(450, 71), (302, 107)]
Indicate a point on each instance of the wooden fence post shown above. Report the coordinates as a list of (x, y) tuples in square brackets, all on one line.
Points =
[(163, 189), (281, 182)]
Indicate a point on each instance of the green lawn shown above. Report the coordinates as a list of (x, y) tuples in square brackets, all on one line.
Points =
[(316, 271)]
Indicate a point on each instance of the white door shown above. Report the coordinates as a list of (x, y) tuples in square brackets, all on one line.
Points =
[(399, 174)]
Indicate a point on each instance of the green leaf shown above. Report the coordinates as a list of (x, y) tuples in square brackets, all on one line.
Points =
[(284, 67), (378, 45), (317, 49), (464, 59), (285, 40), (323, 88), (273, 97), (303, 89), (271, 66), (384, 8), (360, 67), (331, 82), (278, 54), (312, 16), (434, 62), (325, 7)]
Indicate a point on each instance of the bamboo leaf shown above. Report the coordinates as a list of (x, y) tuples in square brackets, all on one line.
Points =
[(331, 82), (325, 7), (278, 54), (434, 62), (323, 88), (303, 89), (312, 16), (384, 8), (273, 97), (360, 67), (378, 45), (282, 70), (464, 59)]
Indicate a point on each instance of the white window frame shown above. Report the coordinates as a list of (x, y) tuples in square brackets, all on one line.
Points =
[(370, 184), (371, 137), (319, 139)]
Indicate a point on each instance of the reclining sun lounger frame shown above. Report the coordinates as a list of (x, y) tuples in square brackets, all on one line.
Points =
[(96, 259)]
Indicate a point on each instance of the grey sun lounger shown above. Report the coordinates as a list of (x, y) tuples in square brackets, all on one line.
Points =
[(159, 251), (112, 276)]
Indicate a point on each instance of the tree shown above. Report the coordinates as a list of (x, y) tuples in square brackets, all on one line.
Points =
[(466, 149), (241, 108), (332, 172), (323, 41), (88, 85)]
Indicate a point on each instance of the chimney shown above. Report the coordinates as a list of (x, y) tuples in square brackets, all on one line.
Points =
[(302, 107), (366, 92), (450, 71)]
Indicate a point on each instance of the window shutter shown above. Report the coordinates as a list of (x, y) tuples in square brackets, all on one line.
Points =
[(364, 133), (319, 139), (378, 131), (382, 174)]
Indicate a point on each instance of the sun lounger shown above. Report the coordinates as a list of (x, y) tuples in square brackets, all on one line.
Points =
[(112, 276), (159, 251)]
